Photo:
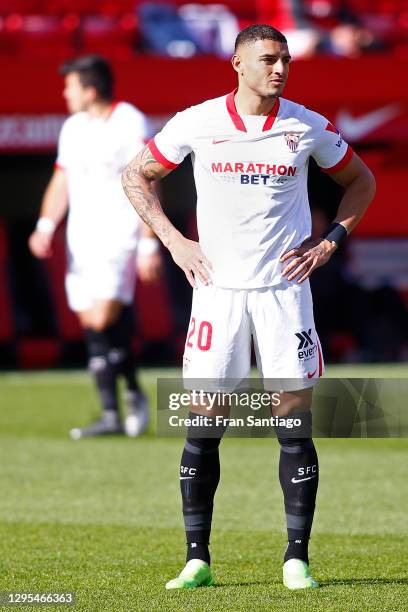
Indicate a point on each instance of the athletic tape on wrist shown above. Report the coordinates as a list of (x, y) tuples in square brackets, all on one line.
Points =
[(46, 225), (336, 232)]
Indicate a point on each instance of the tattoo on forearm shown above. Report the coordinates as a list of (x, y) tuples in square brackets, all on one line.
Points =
[(137, 179)]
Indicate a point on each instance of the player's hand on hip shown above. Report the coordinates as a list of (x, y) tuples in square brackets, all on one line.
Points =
[(189, 257), (149, 267), (311, 254), (40, 244)]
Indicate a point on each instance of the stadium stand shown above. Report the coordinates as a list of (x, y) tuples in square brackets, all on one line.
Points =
[(116, 28)]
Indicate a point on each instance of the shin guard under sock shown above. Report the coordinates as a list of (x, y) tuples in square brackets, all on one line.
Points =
[(199, 477), (299, 476), (121, 353), (103, 371)]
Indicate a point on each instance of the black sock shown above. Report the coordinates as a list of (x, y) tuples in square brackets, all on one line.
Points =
[(299, 476), (121, 353), (198, 550), (199, 477), (103, 371)]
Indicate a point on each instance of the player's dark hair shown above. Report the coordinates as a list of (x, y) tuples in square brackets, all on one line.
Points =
[(93, 71), (258, 32)]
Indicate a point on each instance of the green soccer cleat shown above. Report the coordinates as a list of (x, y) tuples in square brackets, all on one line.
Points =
[(196, 573), (296, 575)]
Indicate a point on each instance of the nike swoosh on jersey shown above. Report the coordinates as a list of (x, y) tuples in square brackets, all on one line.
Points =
[(311, 374), (244, 139), (295, 480), (357, 128)]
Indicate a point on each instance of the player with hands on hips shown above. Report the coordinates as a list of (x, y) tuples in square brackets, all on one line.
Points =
[(250, 151)]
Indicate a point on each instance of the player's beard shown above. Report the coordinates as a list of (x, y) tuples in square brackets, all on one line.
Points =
[(278, 90)]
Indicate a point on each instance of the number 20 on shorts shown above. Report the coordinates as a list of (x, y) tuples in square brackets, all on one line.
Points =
[(202, 338)]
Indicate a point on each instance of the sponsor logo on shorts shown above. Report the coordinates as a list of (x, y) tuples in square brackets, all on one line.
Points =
[(307, 347)]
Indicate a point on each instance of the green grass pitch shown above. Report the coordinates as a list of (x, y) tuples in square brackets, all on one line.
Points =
[(103, 517)]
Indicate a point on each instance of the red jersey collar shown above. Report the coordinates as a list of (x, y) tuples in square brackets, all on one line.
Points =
[(237, 119), (112, 109)]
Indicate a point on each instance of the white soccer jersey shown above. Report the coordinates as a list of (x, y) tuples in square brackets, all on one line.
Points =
[(93, 153), (251, 179)]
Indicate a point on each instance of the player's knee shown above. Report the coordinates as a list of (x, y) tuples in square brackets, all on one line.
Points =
[(117, 356), (99, 321), (293, 402), (97, 364), (203, 436)]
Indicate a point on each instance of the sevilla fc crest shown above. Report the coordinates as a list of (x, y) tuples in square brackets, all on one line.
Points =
[(292, 140)]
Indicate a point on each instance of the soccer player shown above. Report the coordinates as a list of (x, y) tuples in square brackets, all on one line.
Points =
[(250, 152), (95, 144)]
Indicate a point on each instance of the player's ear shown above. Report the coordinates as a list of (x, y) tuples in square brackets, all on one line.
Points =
[(236, 63), (92, 93)]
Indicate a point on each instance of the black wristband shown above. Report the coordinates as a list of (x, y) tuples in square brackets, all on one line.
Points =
[(336, 232)]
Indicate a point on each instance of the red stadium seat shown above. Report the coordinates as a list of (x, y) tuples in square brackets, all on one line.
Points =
[(22, 7), (109, 36), (37, 35)]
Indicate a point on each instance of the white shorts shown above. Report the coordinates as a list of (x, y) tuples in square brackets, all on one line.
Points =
[(280, 321), (88, 281)]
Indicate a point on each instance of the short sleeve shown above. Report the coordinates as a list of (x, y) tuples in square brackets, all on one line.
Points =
[(61, 162), (330, 151), (174, 142)]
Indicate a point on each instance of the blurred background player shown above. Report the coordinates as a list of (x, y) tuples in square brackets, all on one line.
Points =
[(103, 251)]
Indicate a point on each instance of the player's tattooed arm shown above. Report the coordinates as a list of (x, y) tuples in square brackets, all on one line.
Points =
[(137, 181)]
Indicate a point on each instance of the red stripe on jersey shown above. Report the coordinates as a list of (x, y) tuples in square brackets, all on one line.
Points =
[(232, 109), (159, 156), (342, 163), (270, 120), (331, 128), (113, 106), (237, 119)]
